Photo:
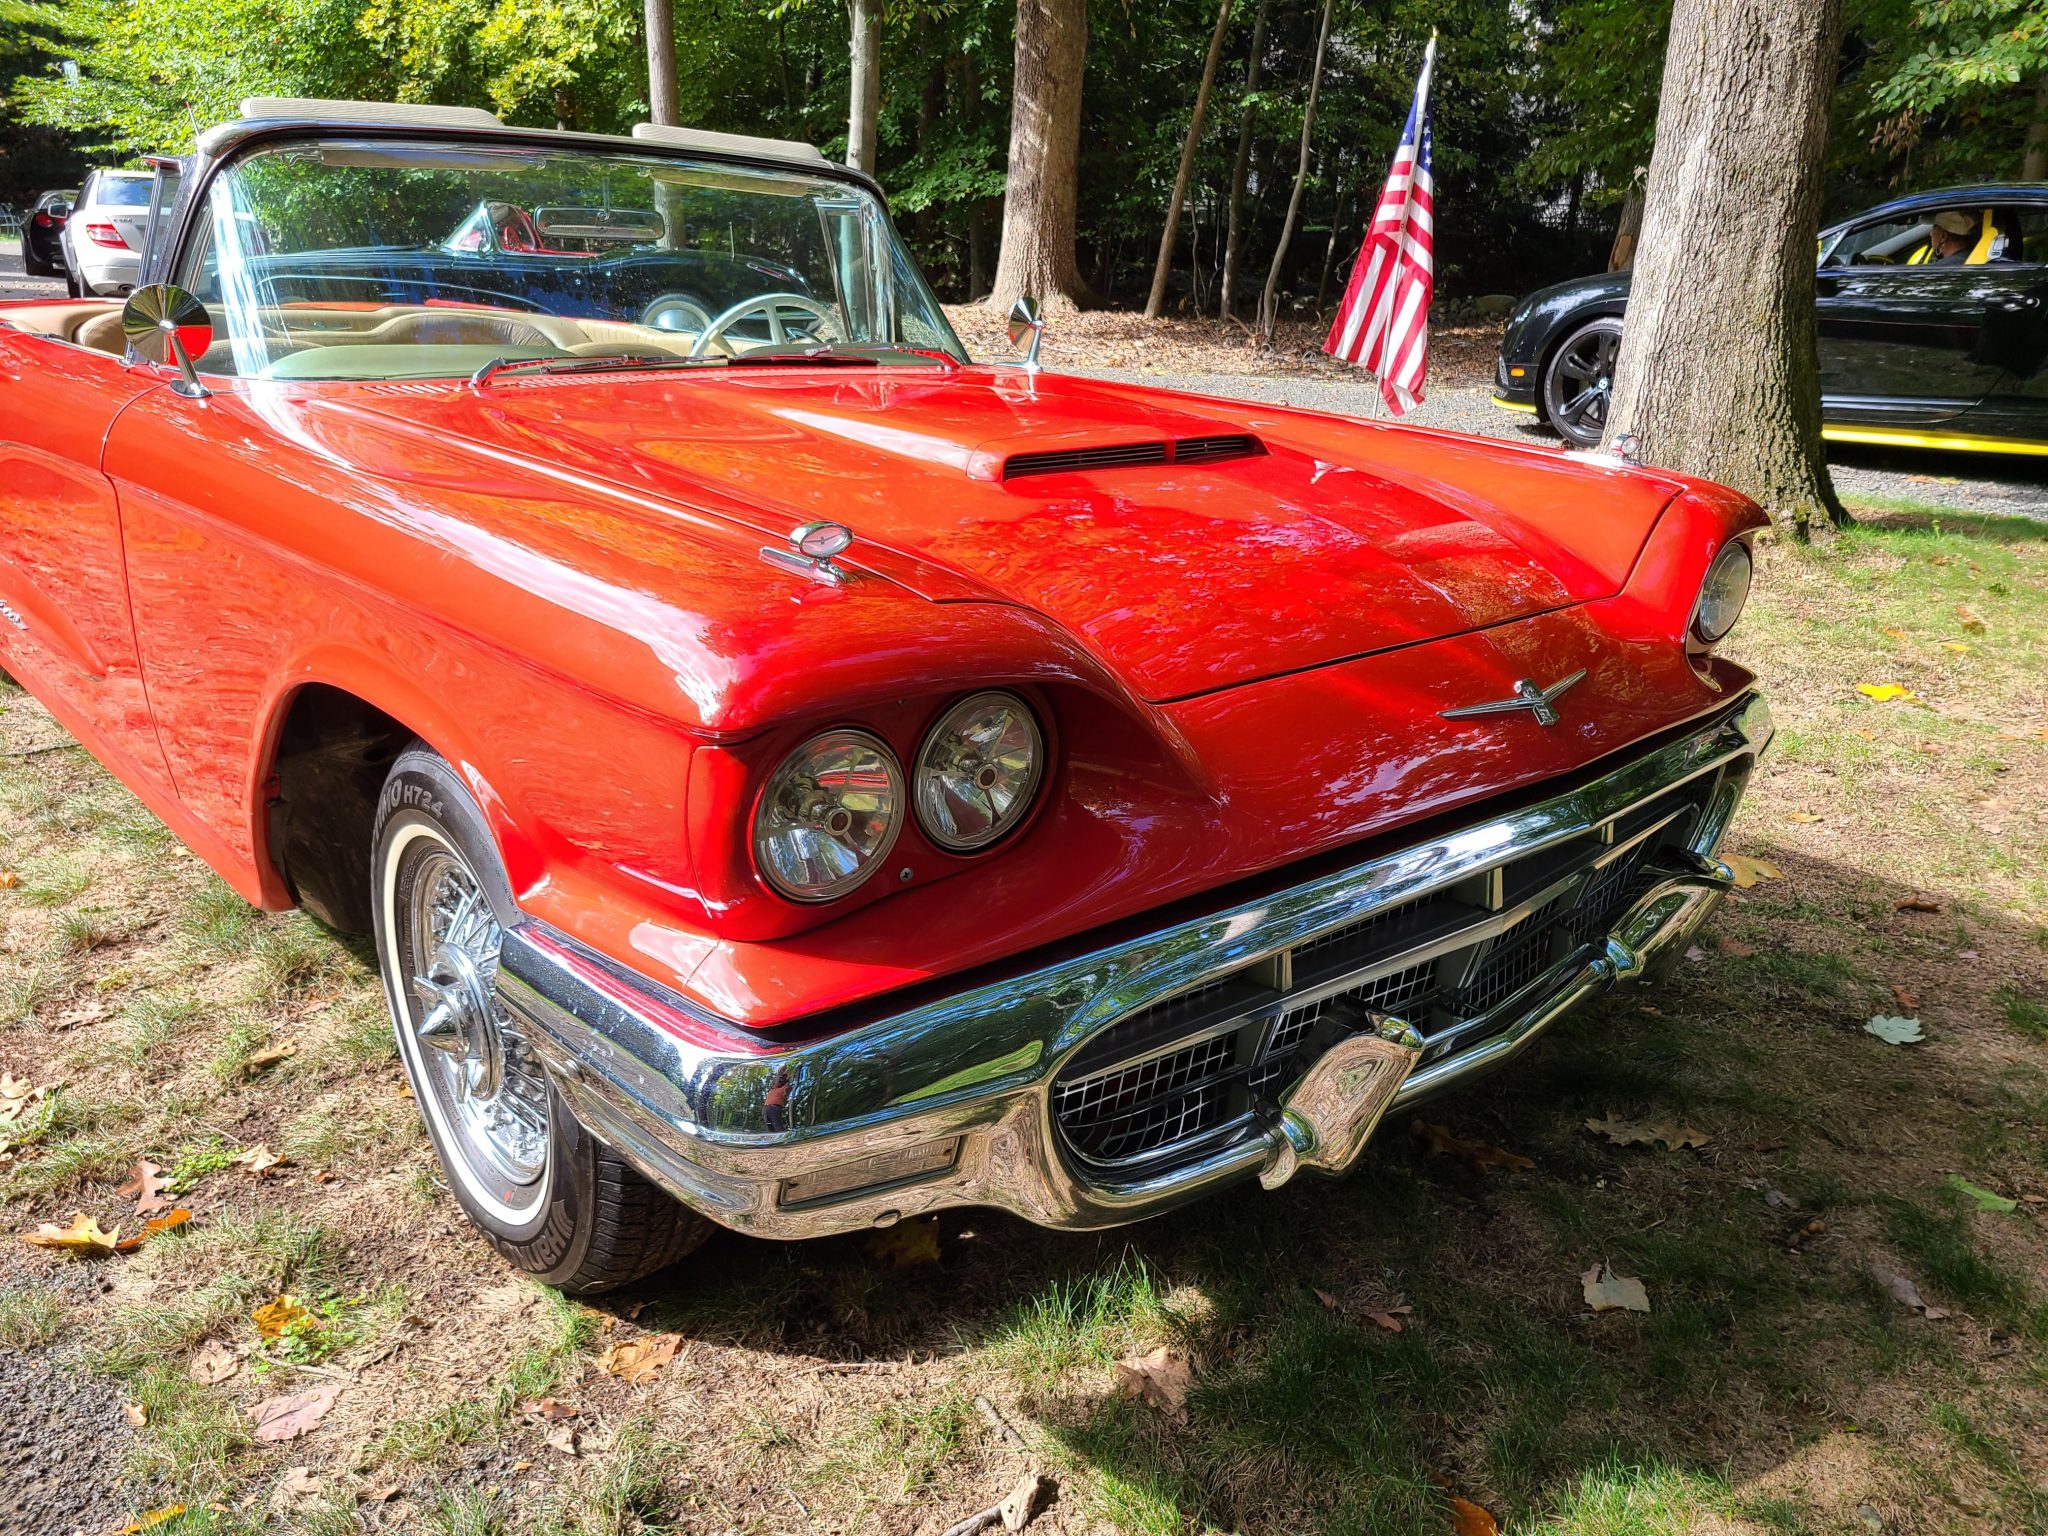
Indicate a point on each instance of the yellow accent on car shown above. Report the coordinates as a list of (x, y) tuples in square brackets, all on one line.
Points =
[(1954, 442), (1513, 405)]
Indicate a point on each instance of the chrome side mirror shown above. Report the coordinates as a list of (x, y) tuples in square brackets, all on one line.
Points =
[(167, 326), (1026, 321)]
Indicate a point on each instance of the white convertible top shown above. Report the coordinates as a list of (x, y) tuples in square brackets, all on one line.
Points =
[(413, 115)]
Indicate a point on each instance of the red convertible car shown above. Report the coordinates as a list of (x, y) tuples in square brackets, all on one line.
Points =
[(797, 777)]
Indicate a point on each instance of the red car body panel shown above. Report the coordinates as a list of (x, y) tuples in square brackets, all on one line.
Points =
[(557, 582)]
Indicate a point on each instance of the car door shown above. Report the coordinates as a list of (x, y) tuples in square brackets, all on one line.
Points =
[(2016, 331), (68, 634), (1900, 337)]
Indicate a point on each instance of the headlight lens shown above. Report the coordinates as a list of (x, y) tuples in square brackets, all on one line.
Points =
[(1722, 594), (978, 770), (829, 815)]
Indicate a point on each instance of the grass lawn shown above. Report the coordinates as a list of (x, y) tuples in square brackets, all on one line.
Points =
[(1778, 1383)]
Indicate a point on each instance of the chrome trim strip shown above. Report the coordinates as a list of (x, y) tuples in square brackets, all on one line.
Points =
[(721, 1117)]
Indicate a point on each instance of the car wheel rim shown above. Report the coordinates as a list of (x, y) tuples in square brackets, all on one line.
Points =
[(1583, 382), (490, 1089)]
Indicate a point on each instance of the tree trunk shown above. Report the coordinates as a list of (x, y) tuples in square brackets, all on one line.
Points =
[(2034, 164), (1719, 371), (661, 62), (1269, 302), (1330, 251), (1622, 253), (864, 108), (1242, 166), (1037, 255), (1164, 265)]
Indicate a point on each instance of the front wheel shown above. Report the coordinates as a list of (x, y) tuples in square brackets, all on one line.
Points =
[(1578, 382), (546, 1193)]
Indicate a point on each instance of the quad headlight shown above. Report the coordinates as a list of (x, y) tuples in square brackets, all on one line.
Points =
[(829, 815), (978, 770), (1722, 594)]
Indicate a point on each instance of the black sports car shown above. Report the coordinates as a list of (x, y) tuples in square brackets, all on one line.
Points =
[(42, 232), (1933, 328)]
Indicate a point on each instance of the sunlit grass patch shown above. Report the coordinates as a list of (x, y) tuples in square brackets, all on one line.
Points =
[(152, 1021), (1087, 1319), (292, 951), (56, 883), (217, 919), (31, 1315)]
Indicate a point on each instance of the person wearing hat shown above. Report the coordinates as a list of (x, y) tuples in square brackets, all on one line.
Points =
[(1952, 238)]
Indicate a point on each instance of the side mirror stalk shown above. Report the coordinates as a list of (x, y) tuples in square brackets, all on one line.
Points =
[(166, 326)]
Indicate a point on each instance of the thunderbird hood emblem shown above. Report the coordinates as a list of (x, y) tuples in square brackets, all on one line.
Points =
[(1538, 701)]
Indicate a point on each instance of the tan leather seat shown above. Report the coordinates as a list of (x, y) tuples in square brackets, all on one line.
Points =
[(102, 333), (458, 328)]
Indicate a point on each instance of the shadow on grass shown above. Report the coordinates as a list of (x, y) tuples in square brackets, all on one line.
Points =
[(1767, 1331)]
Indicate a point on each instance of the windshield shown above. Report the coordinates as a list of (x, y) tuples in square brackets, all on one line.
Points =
[(378, 260)]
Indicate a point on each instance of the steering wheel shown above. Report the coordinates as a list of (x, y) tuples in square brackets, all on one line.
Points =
[(675, 312), (770, 304)]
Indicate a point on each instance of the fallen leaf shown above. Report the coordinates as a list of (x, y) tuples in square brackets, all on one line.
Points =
[(1905, 1292), (1895, 632), (1885, 693), (258, 1159), (1894, 1030), (1917, 904), (17, 1097), (155, 1517), (301, 1488), (263, 1061), (9, 879), (1906, 1000), (274, 1318), (1438, 1141), (1022, 1501), (1389, 1318), (1803, 817), (1986, 1200), (1326, 1299), (1694, 953), (1970, 618), (1608, 1290), (566, 1439), (1747, 871), (1471, 1519), (177, 1216), (554, 1410), (1160, 1379), (287, 1418), (136, 1415), (906, 1244), (383, 1493), (212, 1362), (1629, 1133), (638, 1361), (1955, 645), (1735, 947), (83, 1237)]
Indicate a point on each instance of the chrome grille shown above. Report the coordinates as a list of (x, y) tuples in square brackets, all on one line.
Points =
[(1173, 1077)]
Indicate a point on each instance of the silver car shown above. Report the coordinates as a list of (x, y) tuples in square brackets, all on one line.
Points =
[(103, 237)]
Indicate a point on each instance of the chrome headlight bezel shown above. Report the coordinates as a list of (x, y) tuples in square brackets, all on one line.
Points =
[(932, 805), (1724, 591), (777, 818)]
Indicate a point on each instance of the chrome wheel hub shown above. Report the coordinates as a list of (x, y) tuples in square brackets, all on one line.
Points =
[(491, 1088)]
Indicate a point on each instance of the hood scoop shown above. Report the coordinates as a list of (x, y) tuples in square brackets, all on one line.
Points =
[(1183, 450)]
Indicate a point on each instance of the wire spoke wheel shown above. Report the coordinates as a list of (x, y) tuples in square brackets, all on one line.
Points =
[(490, 1089)]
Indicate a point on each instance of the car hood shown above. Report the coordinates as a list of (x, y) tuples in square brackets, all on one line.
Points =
[(1329, 539)]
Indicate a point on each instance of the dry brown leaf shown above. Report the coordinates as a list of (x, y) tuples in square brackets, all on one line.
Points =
[(1608, 1290), (17, 1097), (1390, 1318), (1471, 1519), (300, 1489), (638, 1361), (1160, 1379), (274, 1317), (177, 1216), (1747, 871), (258, 1159), (1735, 947), (9, 879), (145, 1186), (82, 1237), (1917, 904), (212, 1362), (1905, 1292), (287, 1418), (1629, 1133), (1970, 618), (1804, 818), (906, 1244), (1906, 1000), (136, 1415), (263, 1061), (1326, 1298), (1022, 1501), (1438, 1141), (553, 1410), (565, 1438)]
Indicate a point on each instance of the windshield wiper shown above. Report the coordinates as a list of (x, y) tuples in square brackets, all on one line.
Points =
[(574, 362)]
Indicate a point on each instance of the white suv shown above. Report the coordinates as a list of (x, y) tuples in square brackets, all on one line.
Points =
[(103, 237)]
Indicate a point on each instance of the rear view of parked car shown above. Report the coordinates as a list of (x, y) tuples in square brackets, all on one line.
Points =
[(42, 234), (103, 236)]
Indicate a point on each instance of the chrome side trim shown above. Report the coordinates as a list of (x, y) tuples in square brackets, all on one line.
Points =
[(721, 1117)]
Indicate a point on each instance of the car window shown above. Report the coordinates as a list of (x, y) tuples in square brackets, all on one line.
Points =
[(124, 192), (1886, 243), (2028, 241)]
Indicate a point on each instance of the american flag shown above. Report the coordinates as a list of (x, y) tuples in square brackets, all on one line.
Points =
[(1383, 323)]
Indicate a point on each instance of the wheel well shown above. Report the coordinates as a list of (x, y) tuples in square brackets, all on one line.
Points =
[(1558, 338), (333, 752)]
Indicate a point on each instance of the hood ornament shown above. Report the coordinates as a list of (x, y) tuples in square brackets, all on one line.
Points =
[(811, 550), (1537, 701)]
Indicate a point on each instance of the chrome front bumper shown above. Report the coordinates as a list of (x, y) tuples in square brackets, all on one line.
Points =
[(955, 1101)]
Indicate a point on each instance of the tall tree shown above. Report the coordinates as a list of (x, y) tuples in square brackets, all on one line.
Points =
[(661, 62), (1719, 372), (1037, 255), (1240, 169), (864, 108), (1164, 265), (1269, 301)]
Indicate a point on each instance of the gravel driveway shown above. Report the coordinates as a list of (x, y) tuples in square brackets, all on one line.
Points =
[(1965, 482)]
